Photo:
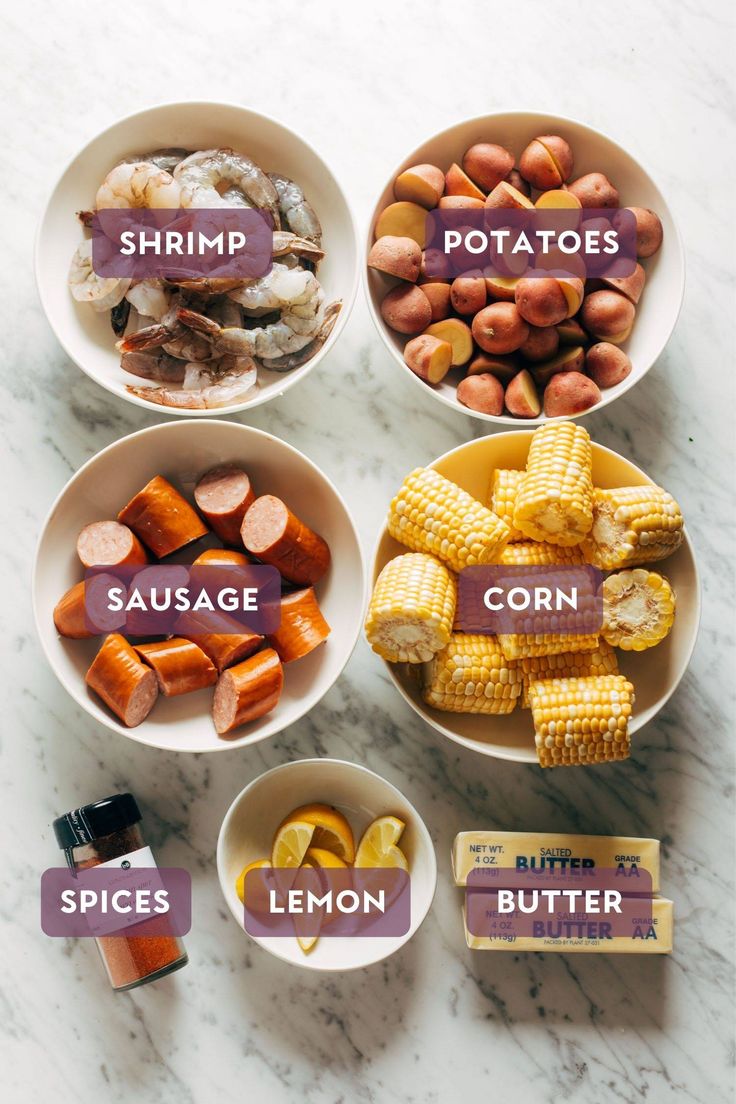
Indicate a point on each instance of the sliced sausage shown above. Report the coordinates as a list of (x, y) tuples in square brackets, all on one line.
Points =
[(110, 544), (162, 518), (248, 691), (223, 495), (69, 615), (221, 557), (126, 685), (180, 665), (83, 611), (302, 626), (276, 536), (224, 648)]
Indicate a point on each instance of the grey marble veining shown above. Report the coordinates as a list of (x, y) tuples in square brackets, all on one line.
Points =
[(434, 1023)]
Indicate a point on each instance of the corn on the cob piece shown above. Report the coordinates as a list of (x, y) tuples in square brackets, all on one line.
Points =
[(540, 554), (555, 498), (502, 499), (471, 675), (529, 645), (632, 525), (412, 609), (581, 720), (431, 514), (603, 661), (638, 609)]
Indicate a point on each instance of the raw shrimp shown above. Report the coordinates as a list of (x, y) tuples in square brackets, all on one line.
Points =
[(295, 360), (229, 380), (296, 212), (102, 293), (157, 365), (150, 298), (201, 176), (119, 317), (166, 159), (280, 287), (139, 184), (284, 242)]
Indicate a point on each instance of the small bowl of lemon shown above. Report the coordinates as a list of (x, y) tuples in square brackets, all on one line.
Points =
[(325, 814)]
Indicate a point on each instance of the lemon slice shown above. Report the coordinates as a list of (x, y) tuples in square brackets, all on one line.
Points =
[(290, 843), (331, 830), (259, 864), (306, 942), (320, 857), (378, 848)]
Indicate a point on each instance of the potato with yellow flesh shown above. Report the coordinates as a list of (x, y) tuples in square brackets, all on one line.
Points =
[(458, 183), (505, 197), (521, 397), (422, 184), (459, 336), (569, 359), (428, 357), (403, 220)]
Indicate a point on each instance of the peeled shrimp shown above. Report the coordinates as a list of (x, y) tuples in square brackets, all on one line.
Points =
[(139, 184), (296, 212), (229, 380), (102, 293), (204, 175)]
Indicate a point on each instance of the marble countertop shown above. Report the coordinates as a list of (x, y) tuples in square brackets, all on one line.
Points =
[(434, 1022)]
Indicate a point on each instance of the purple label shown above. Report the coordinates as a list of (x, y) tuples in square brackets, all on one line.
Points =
[(183, 598), (586, 903), (534, 242), (104, 900), (141, 243), (346, 902), (512, 598)]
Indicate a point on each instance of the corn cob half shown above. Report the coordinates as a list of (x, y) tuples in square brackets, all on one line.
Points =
[(412, 609), (502, 499), (555, 498), (432, 514), (638, 609), (602, 661), (540, 554), (534, 645), (578, 721), (632, 525), (471, 675)]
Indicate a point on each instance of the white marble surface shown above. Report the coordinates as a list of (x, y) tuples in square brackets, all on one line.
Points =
[(434, 1023)]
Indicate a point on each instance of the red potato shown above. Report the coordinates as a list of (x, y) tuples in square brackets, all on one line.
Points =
[(468, 294), (438, 294), (631, 286), (458, 183), (457, 333), (541, 344), (487, 164), (505, 197), (302, 627), (109, 544), (546, 162), (570, 359), (521, 396), (571, 333), (403, 220), (594, 190), (406, 309), (399, 257), (459, 202), (502, 287), (277, 537), (483, 392), (422, 184), (223, 495), (608, 315), (649, 232), (503, 368), (574, 291), (541, 300), (180, 666), (162, 518), (516, 180), (606, 364), (248, 691), (569, 393), (500, 328), (428, 357), (126, 685), (435, 266)]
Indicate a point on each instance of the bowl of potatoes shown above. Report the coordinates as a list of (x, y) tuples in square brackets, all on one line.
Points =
[(516, 348)]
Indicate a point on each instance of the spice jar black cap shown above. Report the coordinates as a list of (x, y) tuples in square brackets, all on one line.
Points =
[(94, 821)]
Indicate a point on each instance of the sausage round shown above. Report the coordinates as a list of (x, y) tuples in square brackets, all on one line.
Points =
[(224, 648), (69, 615), (180, 665), (78, 615), (302, 627), (162, 518), (223, 495), (221, 557), (277, 537), (109, 544), (126, 685), (248, 691)]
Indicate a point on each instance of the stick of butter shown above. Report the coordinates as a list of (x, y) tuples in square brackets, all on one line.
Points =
[(651, 933), (521, 851)]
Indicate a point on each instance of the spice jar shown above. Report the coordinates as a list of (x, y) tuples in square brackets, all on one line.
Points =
[(107, 833)]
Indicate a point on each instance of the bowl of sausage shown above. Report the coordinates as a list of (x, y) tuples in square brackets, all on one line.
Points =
[(204, 495)]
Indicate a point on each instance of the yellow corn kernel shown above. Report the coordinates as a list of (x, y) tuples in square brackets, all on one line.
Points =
[(579, 721), (471, 675), (632, 525), (412, 609), (525, 645), (431, 514), (603, 661), (502, 499), (540, 554), (555, 498), (638, 609)]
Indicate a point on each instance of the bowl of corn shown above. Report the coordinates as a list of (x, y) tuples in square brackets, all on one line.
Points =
[(547, 497)]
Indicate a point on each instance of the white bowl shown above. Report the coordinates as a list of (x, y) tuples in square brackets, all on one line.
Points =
[(183, 451), (655, 673), (257, 811), (659, 307), (85, 335)]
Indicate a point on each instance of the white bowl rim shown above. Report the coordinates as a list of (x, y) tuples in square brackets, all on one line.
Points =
[(290, 378), (310, 964), (76, 691), (508, 419), (512, 755)]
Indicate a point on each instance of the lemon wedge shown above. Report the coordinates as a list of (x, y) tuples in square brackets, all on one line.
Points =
[(259, 864), (319, 856), (331, 830), (290, 843), (306, 942), (377, 847)]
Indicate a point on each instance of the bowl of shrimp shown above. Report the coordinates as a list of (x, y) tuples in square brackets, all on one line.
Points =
[(197, 346)]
